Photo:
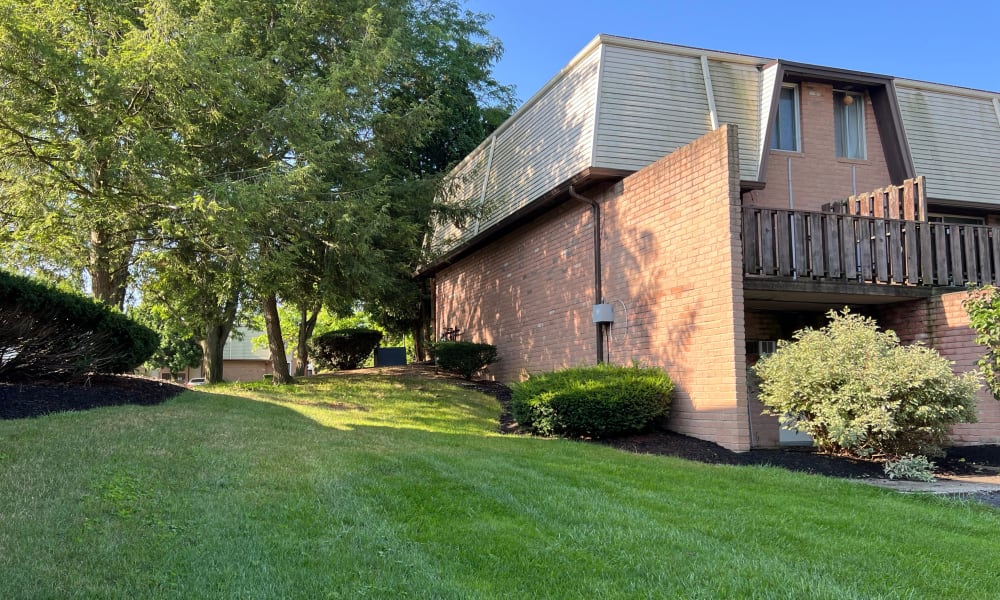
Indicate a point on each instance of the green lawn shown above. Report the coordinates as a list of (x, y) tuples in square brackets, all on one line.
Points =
[(381, 488)]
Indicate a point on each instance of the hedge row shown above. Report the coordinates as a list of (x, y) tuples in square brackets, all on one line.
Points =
[(49, 334), (464, 358), (344, 349)]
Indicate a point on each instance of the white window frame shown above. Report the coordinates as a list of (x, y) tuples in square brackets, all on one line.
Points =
[(842, 126), (796, 119), (955, 219)]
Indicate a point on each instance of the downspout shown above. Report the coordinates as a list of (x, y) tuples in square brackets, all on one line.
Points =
[(598, 291)]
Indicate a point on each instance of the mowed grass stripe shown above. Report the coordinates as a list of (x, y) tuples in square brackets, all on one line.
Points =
[(377, 487)]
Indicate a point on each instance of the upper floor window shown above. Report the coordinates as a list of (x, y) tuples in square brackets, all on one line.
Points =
[(849, 124), (786, 124), (955, 219)]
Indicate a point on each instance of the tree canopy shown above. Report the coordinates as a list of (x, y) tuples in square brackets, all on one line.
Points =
[(221, 155)]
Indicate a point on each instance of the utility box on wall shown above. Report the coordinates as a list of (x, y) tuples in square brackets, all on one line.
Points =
[(604, 313)]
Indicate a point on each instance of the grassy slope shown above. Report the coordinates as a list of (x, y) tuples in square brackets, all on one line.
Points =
[(403, 490)]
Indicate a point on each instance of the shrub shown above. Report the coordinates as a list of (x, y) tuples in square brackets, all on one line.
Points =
[(176, 352), (983, 308), (910, 467), (601, 401), (50, 334), (464, 358), (856, 390), (345, 349)]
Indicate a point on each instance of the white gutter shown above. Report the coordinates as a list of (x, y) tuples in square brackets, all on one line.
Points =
[(708, 92), (486, 181)]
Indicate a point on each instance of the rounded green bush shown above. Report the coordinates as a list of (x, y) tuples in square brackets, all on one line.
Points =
[(600, 401), (49, 334), (464, 358), (345, 349)]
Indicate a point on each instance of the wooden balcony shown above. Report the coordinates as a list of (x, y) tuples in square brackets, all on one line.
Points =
[(877, 251), (871, 248)]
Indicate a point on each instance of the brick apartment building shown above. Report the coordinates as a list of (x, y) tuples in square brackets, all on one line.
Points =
[(709, 204)]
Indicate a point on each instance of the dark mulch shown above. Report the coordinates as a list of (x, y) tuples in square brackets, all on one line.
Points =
[(18, 401), (965, 460), (502, 394), (24, 400)]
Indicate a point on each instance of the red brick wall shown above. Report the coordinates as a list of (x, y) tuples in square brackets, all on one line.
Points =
[(245, 370), (674, 259), (530, 294), (952, 337), (941, 323), (818, 176), (671, 267)]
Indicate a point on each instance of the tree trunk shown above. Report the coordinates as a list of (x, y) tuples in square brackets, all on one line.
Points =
[(419, 350), (423, 331), (275, 342), (212, 345), (217, 330), (108, 268), (307, 324)]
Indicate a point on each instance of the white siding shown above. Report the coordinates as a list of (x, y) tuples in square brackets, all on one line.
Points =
[(737, 100), (651, 104), (621, 104), (767, 77), (244, 348), (463, 188), (954, 139), (547, 142)]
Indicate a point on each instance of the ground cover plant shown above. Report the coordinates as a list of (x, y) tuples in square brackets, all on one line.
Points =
[(360, 486)]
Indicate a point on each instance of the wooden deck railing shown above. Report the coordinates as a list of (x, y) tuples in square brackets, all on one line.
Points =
[(851, 248)]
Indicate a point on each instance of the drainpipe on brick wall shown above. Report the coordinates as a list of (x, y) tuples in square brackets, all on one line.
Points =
[(598, 292)]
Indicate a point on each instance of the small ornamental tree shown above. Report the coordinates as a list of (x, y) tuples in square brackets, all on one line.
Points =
[(856, 390), (983, 308), (176, 353)]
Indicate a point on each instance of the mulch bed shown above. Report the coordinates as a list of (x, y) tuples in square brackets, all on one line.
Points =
[(25, 400), (962, 460)]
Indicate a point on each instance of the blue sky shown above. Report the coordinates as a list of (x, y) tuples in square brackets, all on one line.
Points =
[(950, 41)]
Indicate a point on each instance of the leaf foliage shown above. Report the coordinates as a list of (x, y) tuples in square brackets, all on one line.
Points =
[(855, 389), (600, 401)]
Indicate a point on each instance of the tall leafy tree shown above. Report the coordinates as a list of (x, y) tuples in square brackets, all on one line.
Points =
[(88, 157), (232, 152)]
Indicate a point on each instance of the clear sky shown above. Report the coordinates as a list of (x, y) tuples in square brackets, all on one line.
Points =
[(949, 41)]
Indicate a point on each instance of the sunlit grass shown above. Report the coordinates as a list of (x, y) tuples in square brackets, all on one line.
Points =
[(375, 487), (346, 402)]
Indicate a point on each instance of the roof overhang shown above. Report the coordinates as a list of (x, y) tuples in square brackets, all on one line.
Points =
[(586, 180)]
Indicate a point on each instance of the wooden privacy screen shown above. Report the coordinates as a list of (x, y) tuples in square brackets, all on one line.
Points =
[(907, 201)]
